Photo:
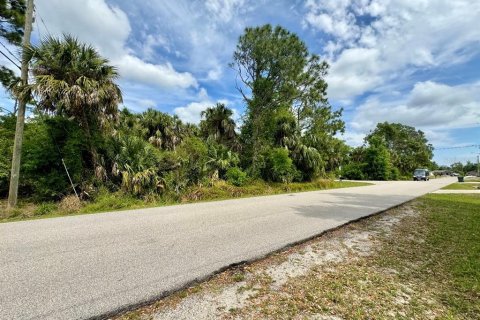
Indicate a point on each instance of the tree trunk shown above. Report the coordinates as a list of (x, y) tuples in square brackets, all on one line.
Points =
[(17, 145)]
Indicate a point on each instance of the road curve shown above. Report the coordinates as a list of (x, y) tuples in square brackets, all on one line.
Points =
[(93, 265)]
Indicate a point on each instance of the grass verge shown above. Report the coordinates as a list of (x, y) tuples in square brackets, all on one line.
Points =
[(462, 186), (107, 201)]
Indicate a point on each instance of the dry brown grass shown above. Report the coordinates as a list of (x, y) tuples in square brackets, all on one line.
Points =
[(70, 204)]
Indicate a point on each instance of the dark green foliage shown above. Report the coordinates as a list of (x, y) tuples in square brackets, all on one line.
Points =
[(353, 171), (236, 176), (408, 147), (7, 133), (279, 166), (46, 142), (73, 80), (394, 174), (377, 162)]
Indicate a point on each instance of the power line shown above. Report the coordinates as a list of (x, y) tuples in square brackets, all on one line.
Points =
[(1, 43), (459, 147), (43, 22), (10, 59)]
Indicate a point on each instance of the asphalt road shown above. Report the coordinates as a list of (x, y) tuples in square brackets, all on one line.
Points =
[(92, 265)]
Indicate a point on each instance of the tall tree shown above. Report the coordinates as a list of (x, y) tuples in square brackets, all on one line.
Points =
[(12, 14), (73, 80), (12, 21), (408, 147), (277, 73)]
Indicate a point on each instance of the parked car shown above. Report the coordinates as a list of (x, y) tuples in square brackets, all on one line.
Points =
[(421, 174)]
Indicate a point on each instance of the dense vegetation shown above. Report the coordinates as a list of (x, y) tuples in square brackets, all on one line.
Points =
[(288, 133), (391, 151)]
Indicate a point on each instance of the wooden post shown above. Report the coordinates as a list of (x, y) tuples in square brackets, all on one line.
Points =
[(22, 104)]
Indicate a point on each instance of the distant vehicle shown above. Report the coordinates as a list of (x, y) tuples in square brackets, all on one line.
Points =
[(455, 174), (421, 174)]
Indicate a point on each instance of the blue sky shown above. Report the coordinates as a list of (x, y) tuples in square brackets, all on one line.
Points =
[(413, 62)]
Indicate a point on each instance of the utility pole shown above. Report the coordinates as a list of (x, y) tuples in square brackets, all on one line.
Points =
[(22, 104), (478, 162), (478, 165)]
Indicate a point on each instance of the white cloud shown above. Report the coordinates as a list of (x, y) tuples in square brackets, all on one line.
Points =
[(224, 9), (191, 113), (429, 105), (108, 28), (353, 138), (148, 103), (432, 107), (163, 76), (377, 41)]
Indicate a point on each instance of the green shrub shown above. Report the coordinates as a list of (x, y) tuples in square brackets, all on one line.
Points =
[(136, 162), (7, 134), (46, 142), (353, 171), (378, 165), (236, 176), (193, 153), (279, 166), (395, 174)]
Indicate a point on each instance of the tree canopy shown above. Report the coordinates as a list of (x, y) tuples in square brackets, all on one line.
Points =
[(408, 147), (12, 20)]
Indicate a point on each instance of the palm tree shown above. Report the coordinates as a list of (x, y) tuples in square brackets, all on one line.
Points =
[(163, 131), (218, 124), (73, 80)]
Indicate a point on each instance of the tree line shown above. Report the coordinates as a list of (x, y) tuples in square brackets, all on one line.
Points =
[(289, 131)]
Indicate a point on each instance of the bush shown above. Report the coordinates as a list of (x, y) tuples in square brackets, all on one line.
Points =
[(395, 174), (136, 162), (46, 142), (378, 165), (353, 171), (279, 166), (194, 155), (236, 176)]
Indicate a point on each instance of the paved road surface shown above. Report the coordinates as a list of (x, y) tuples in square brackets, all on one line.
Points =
[(86, 266)]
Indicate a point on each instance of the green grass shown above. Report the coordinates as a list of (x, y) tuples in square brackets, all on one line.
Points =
[(462, 186), (453, 242), (107, 201)]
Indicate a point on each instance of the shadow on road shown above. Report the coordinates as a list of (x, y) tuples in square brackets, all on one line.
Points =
[(341, 206)]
